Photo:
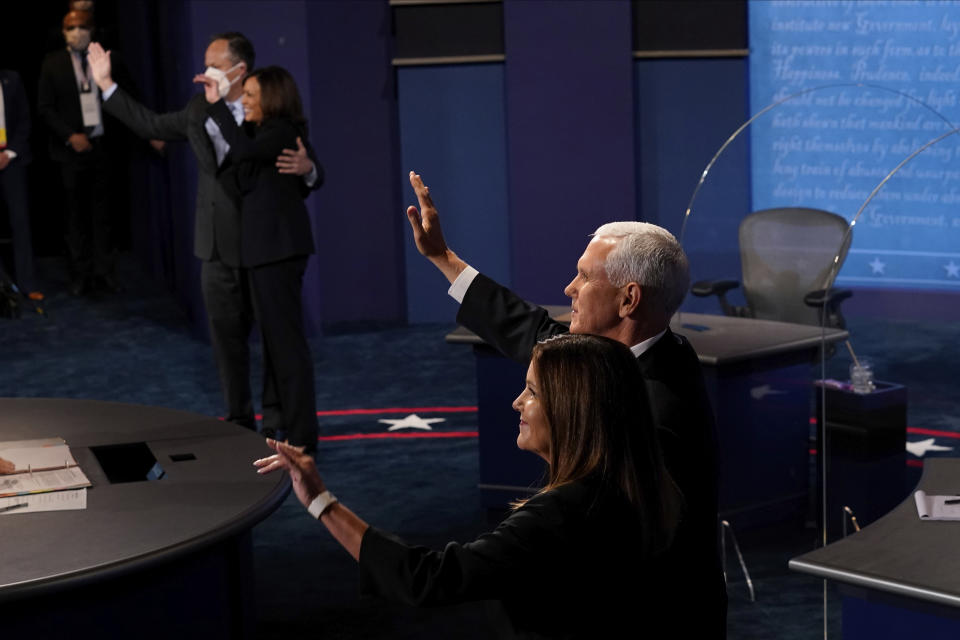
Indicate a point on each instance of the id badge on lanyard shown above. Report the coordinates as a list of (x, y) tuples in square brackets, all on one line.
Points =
[(89, 107)]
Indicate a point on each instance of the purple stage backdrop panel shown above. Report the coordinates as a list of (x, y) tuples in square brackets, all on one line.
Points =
[(570, 133), (358, 222), (452, 134), (159, 46), (686, 109)]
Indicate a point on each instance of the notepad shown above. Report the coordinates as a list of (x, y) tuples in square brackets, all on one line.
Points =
[(935, 507), (69, 500)]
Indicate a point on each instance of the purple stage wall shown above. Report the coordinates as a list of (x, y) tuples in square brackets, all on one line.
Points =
[(570, 135), (359, 221)]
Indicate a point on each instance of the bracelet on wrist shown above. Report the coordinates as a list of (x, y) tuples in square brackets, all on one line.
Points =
[(321, 503)]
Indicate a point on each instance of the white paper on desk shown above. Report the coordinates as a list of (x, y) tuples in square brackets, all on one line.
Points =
[(40, 442), (55, 480), (70, 500), (933, 507), (28, 455)]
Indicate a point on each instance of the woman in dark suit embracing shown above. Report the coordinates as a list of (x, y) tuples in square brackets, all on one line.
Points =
[(275, 239)]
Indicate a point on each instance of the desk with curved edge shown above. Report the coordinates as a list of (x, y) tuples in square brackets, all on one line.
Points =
[(900, 576), (145, 559)]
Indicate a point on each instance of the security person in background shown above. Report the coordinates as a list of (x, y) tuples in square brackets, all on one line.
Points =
[(69, 105)]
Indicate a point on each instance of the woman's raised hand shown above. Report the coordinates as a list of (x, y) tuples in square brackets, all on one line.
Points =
[(211, 87), (307, 483)]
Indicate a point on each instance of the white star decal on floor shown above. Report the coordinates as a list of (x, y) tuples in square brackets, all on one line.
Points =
[(877, 266), (921, 447), (412, 421), (953, 269)]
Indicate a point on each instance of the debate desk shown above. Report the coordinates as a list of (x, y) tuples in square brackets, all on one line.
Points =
[(759, 376), (900, 576), (148, 558)]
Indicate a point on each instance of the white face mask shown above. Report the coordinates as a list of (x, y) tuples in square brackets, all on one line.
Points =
[(77, 39), (223, 82)]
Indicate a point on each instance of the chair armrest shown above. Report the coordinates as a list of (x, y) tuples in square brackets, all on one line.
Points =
[(705, 288), (829, 301), (829, 297)]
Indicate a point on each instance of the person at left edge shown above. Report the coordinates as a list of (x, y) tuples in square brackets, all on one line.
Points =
[(69, 104), (224, 277), (14, 158)]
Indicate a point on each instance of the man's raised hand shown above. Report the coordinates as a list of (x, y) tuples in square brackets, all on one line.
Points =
[(99, 61), (427, 233)]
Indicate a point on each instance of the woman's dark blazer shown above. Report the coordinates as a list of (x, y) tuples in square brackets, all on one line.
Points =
[(567, 564), (274, 224)]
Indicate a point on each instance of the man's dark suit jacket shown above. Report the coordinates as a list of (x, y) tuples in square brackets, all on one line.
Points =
[(567, 564), (217, 229), (685, 425), (58, 101), (274, 224), (16, 112)]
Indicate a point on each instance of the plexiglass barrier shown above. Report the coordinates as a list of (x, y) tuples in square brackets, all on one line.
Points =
[(826, 402)]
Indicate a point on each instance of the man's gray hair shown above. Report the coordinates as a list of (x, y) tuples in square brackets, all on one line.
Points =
[(650, 256)]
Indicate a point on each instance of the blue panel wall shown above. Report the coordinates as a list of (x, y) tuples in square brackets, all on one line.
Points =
[(570, 123), (452, 134), (685, 110)]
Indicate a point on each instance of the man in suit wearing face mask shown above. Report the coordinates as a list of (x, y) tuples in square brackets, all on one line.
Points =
[(224, 282), (69, 104)]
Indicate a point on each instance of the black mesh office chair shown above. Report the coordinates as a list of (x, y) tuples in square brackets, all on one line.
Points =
[(787, 256)]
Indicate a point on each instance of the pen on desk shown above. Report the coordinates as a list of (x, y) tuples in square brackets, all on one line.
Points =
[(13, 506), (952, 501)]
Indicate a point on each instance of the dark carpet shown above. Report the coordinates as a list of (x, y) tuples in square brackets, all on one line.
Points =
[(137, 347)]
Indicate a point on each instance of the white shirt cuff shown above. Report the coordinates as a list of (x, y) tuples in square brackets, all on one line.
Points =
[(459, 287), (311, 177), (10, 153), (109, 92)]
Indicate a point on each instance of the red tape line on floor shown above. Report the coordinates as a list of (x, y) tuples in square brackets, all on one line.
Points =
[(379, 436)]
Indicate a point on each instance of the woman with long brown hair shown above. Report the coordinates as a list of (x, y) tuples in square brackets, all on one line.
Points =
[(580, 558)]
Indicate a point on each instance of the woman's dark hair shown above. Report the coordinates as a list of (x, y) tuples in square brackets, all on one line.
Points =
[(279, 97), (595, 402)]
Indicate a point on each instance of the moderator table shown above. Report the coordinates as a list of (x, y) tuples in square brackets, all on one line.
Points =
[(900, 576), (147, 559)]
